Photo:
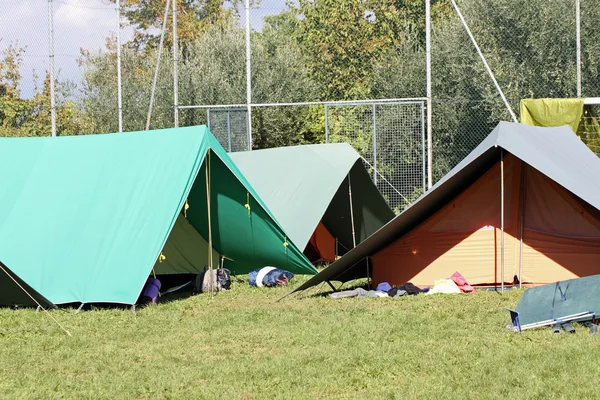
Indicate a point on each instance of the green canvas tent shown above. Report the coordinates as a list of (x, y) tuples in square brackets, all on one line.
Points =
[(84, 218), (307, 185)]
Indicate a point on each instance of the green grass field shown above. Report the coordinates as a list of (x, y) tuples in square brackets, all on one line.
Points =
[(244, 345)]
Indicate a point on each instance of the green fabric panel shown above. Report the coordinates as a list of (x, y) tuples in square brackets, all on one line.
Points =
[(247, 240), (299, 185), (369, 208), (545, 302), (186, 251), (551, 112), (83, 218)]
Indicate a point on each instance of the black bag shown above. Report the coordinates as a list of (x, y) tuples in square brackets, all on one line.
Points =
[(410, 288), (223, 279)]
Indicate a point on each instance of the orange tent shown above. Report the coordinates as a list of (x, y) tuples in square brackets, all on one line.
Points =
[(523, 206), (321, 246), (560, 235)]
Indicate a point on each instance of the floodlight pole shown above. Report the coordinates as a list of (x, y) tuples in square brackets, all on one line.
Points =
[(160, 47), (502, 218), (248, 76), (119, 92), (51, 72), (578, 30), (175, 68), (487, 67), (429, 108)]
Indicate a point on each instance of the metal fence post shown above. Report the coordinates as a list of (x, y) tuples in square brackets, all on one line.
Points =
[(51, 72), (326, 124), (578, 34), (248, 76), (119, 92), (229, 129), (175, 68), (374, 116), (423, 161), (428, 79)]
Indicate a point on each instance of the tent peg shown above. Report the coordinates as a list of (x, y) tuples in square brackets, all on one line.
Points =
[(79, 309)]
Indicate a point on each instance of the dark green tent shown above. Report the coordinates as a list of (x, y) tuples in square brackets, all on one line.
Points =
[(306, 185)]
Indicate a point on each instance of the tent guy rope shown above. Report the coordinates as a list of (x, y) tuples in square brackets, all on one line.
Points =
[(34, 300)]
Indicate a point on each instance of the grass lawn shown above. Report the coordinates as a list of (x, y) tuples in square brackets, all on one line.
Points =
[(243, 345)]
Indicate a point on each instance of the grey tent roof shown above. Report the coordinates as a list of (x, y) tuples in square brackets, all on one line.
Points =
[(301, 184), (555, 152)]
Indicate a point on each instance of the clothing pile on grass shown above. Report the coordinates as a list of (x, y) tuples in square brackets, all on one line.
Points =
[(455, 284), (384, 289), (269, 277)]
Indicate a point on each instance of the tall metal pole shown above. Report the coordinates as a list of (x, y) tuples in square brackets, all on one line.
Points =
[(502, 218), (51, 45), (429, 116), (326, 124), (578, 29), (351, 211), (423, 145), (175, 67), (119, 92), (487, 67), (248, 76), (160, 47), (374, 114), (229, 130)]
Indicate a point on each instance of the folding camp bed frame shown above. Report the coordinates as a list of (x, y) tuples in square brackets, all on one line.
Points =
[(556, 323)]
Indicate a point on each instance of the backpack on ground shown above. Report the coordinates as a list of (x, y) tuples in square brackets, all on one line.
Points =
[(217, 279)]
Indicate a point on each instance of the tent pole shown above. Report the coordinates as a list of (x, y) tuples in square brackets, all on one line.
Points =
[(522, 218), (210, 247), (351, 211), (368, 275), (502, 219)]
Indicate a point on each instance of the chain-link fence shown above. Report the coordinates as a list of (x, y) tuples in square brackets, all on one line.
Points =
[(390, 137), (230, 127), (300, 52)]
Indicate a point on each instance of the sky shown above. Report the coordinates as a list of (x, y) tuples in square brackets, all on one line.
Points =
[(77, 24)]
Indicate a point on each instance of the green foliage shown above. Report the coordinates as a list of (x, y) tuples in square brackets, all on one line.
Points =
[(194, 17), (31, 117)]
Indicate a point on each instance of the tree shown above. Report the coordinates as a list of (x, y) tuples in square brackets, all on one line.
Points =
[(194, 17), (343, 39), (213, 73), (31, 117)]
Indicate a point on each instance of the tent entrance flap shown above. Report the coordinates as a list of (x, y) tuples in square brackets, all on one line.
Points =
[(322, 245), (186, 251)]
